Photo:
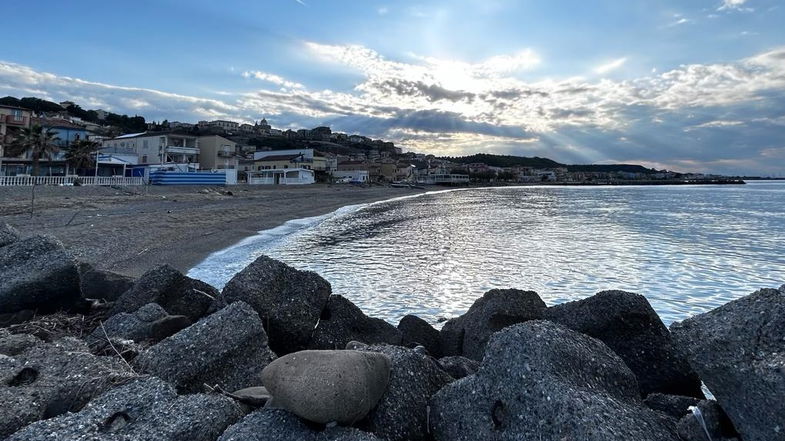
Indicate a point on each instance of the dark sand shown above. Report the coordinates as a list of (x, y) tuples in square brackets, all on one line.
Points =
[(133, 229)]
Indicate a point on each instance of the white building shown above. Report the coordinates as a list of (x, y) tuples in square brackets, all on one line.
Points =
[(353, 176), (156, 148), (282, 176)]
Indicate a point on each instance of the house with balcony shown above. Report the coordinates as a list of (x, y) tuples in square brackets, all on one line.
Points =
[(217, 152), (292, 158), (12, 121), (158, 148)]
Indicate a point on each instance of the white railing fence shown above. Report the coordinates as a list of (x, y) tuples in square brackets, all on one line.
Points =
[(17, 181)]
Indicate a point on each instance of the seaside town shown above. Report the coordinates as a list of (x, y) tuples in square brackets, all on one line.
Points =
[(44, 142)]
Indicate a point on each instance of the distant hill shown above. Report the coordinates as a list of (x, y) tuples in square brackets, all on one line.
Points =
[(505, 161), (537, 162), (606, 168)]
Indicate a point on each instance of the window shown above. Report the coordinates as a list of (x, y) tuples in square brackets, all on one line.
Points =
[(144, 159), (144, 144)]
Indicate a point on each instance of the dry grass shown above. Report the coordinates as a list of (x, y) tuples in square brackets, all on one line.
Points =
[(52, 327)]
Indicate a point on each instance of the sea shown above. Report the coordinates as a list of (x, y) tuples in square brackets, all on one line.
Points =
[(688, 249)]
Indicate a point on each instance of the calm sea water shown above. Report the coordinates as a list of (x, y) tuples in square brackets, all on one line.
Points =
[(688, 249)]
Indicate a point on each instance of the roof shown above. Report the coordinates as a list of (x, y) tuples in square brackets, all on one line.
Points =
[(278, 157), (57, 123), (14, 107), (164, 133)]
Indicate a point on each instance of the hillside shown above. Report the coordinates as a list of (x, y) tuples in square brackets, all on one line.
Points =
[(505, 161)]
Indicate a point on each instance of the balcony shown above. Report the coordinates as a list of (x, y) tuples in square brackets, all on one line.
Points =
[(16, 120), (225, 154), (182, 150)]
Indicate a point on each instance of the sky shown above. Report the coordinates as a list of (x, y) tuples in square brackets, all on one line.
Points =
[(685, 85)]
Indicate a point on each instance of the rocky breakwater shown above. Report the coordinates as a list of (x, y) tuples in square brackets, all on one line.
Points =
[(87, 354)]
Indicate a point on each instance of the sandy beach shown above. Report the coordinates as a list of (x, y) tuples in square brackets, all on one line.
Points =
[(133, 229)]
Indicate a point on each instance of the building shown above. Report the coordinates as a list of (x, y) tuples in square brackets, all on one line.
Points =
[(351, 176), (293, 158), (157, 147), (12, 121), (229, 126), (217, 152), (282, 176)]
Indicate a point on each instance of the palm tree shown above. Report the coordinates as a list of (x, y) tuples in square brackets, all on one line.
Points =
[(80, 154), (38, 141)]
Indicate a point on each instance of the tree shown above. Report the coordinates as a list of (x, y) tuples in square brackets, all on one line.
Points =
[(38, 141), (80, 154)]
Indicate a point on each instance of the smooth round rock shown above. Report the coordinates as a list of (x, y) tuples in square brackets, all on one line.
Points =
[(326, 386)]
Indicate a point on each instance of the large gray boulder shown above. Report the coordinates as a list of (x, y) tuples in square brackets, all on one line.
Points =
[(416, 331), (280, 425), (542, 381), (468, 334), (100, 284), (402, 412), (342, 322), (228, 349), (172, 290), (289, 301), (326, 386), (738, 350), (8, 235), (148, 324), (37, 273), (145, 409), (628, 324), (46, 380)]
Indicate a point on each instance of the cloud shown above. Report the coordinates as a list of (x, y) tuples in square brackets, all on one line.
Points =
[(271, 78), (737, 5), (720, 117), (383, 10), (610, 66)]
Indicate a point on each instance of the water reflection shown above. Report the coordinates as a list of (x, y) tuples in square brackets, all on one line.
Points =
[(688, 249)]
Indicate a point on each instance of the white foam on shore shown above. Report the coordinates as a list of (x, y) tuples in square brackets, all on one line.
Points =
[(219, 267)]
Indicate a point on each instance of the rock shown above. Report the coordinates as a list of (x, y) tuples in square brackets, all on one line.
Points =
[(289, 301), (228, 349), (8, 235), (342, 322), (37, 274), (325, 386), (145, 409), (468, 334), (106, 285), (15, 318), (627, 323), (458, 366), (173, 291), (402, 412), (47, 380), (542, 381), (415, 330), (254, 396), (738, 350), (281, 425), (13, 344), (675, 406), (149, 324), (706, 418)]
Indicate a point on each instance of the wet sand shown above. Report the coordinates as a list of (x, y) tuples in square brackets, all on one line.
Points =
[(133, 229)]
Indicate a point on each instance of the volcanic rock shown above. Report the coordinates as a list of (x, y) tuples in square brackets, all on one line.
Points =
[(738, 350), (281, 425), (173, 291), (468, 334), (228, 349), (342, 321), (415, 330), (289, 301), (629, 326), (37, 273), (542, 381)]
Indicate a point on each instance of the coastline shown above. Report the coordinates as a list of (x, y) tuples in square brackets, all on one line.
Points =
[(130, 230)]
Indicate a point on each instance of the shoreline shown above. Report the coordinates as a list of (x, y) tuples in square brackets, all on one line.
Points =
[(130, 230)]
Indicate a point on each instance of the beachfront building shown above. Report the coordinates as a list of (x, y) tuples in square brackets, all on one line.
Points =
[(217, 153), (157, 148), (282, 176), (12, 121), (351, 176), (293, 158)]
